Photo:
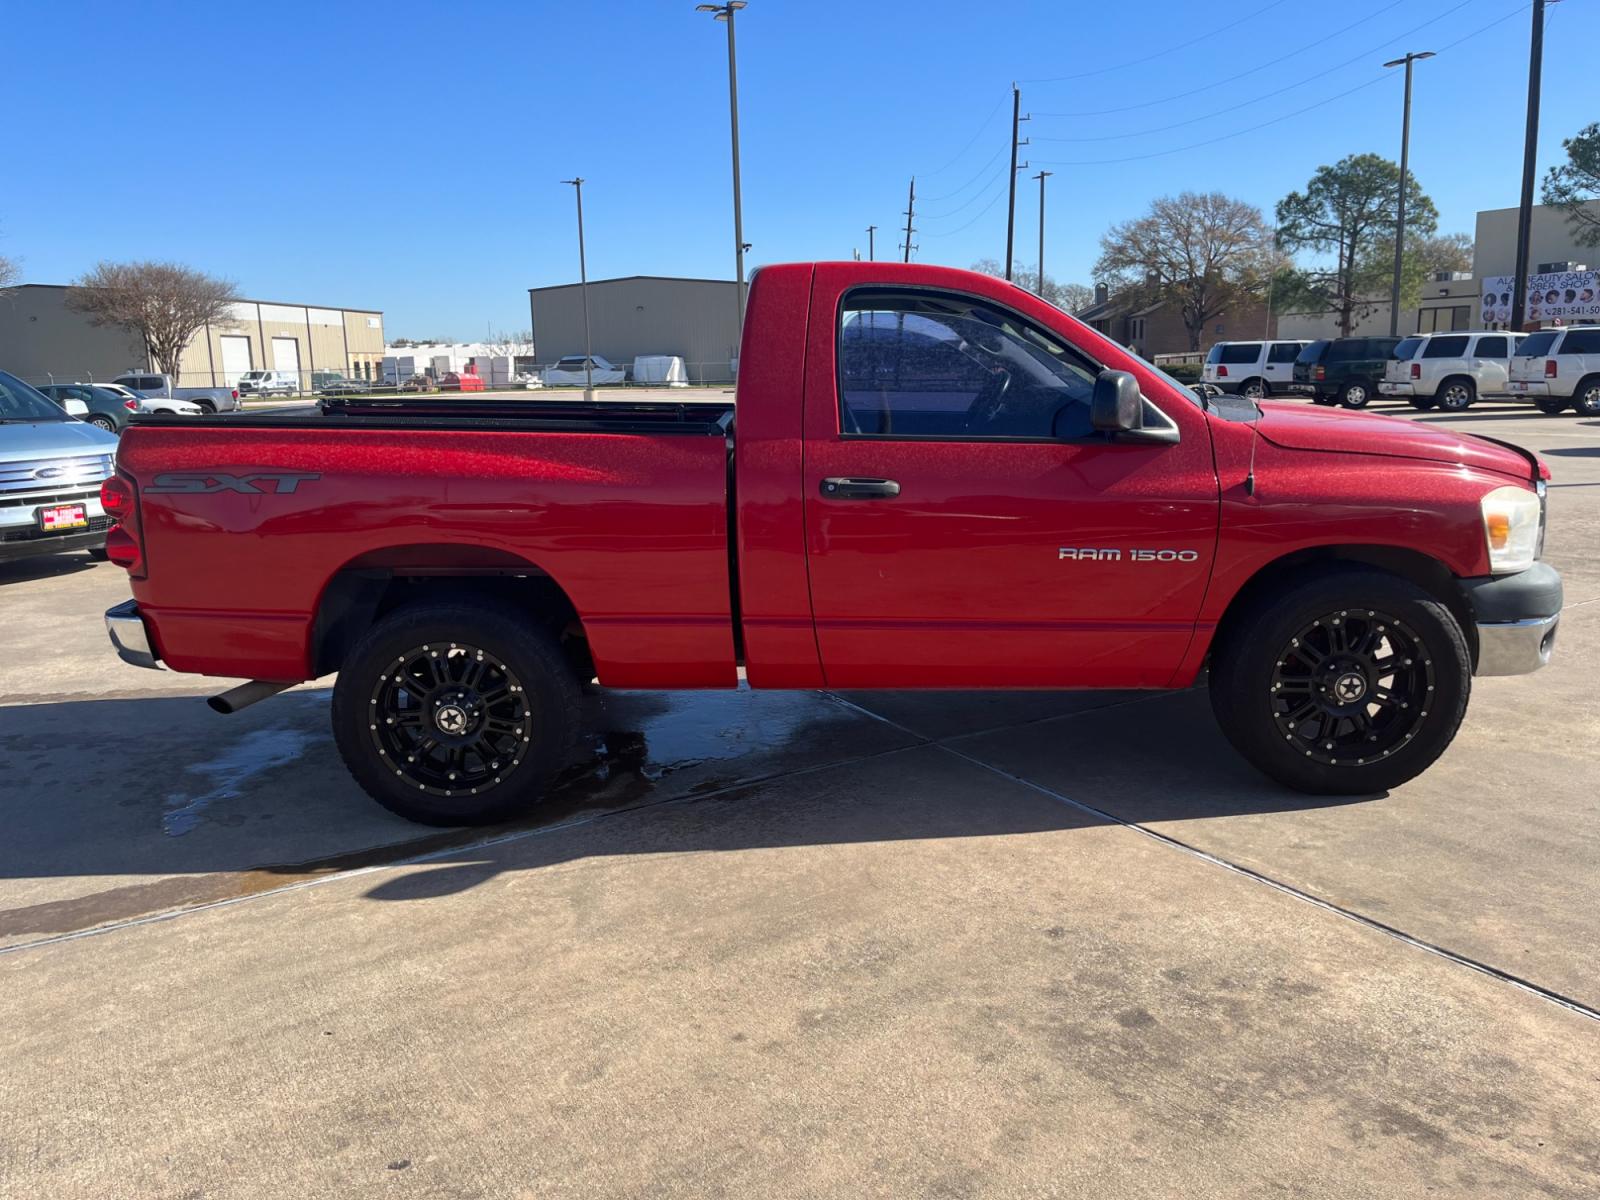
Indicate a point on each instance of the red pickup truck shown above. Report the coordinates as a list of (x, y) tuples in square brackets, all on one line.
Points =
[(930, 479)]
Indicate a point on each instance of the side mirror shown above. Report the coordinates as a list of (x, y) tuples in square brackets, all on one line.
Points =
[(1116, 406)]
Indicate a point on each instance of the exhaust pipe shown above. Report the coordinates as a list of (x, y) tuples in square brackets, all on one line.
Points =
[(246, 694)]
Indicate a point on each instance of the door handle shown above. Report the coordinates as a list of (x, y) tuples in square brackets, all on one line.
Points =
[(845, 487)]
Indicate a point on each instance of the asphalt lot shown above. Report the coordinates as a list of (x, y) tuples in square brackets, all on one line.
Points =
[(771, 944)]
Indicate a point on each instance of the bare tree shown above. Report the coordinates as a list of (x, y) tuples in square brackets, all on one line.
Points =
[(164, 303), (512, 344), (1067, 296), (8, 272), (1207, 252), (1440, 252)]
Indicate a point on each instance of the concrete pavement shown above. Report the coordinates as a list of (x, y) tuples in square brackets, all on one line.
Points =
[(795, 944)]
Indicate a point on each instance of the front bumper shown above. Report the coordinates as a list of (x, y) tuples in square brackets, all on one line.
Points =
[(129, 636), (1516, 618)]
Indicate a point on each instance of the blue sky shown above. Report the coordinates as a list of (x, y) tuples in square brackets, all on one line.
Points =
[(408, 156)]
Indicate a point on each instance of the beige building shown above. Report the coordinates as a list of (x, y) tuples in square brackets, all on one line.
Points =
[(43, 340), (696, 320)]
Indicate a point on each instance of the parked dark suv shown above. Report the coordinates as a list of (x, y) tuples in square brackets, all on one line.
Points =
[(1343, 370)]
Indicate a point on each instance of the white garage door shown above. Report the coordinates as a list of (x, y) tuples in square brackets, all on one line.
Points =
[(286, 355), (235, 358)]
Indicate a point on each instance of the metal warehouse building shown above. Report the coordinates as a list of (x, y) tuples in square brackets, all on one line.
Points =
[(696, 320), (44, 340)]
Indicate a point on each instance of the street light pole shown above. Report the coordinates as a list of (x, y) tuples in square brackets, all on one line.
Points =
[(1530, 154), (1400, 214), (724, 12), (872, 253), (583, 277), (1041, 176)]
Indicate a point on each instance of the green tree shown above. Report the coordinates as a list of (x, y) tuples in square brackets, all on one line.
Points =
[(1576, 182), (1347, 214), (1208, 253), (1069, 297)]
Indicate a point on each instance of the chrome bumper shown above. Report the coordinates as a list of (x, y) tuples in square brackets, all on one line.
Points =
[(128, 635), (1516, 647)]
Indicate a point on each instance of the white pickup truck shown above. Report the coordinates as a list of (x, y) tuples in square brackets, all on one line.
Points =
[(212, 399)]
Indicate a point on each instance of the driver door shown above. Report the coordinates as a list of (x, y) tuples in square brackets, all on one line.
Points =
[(965, 526)]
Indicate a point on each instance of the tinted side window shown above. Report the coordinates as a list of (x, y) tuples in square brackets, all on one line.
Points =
[(1347, 350), (1312, 353), (1241, 352), (914, 364), (1490, 347), (1445, 347), (1538, 343), (1581, 341), (1407, 349), (1283, 352)]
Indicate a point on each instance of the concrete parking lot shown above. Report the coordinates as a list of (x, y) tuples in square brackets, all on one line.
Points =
[(772, 944)]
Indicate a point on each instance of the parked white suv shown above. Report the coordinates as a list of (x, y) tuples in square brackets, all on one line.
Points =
[(1449, 369), (1558, 367), (1253, 369)]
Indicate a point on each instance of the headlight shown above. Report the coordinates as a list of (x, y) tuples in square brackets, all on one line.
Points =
[(1511, 521)]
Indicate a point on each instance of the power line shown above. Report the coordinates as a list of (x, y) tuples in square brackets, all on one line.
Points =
[(1097, 162), (970, 201), (973, 139), (1221, 29), (1265, 96), (963, 228), (1211, 87), (993, 158)]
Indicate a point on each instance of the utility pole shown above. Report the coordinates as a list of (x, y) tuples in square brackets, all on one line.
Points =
[(724, 12), (911, 207), (872, 254), (1530, 154), (1011, 205), (1400, 212), (583, 276), (1041, 177)]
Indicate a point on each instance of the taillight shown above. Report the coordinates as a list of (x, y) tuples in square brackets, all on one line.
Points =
[(123, 547), (1322, 373), (1549, 368), (131, 405), (1416, 370), (1222, 372), (235, 393)]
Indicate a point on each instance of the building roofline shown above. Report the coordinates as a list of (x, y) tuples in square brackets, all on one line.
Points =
[(551, 287), (377, 312)]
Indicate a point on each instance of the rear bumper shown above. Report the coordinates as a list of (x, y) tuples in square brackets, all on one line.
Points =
[(1528, 387), (1385, 388), (1516, 618), (129, 636), (60, 543)]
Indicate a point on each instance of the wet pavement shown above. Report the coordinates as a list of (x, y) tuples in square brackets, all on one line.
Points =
[(779, 943)]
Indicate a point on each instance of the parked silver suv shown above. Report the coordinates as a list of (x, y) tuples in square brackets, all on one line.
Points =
[(51, 468), (1449, 369)]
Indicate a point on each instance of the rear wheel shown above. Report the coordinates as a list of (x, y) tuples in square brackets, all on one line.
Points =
[(1356, 394), (1586, 397), (1255, 389), (1551, 406), (102, 422), (455, 714), (1351, 682), (207, 407), (1457, 394)]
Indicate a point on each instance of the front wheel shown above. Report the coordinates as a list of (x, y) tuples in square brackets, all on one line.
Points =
[(455, 714), (105, 423), (1355, 394), (1253, 389), (1349, 683)]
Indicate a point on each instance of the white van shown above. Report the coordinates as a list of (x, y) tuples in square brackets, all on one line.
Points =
[(1450, 369), (269, 383), (1559, 367), (1253, 369)]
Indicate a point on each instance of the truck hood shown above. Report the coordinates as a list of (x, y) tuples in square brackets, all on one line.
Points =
[(1340, 431), (53, 439)]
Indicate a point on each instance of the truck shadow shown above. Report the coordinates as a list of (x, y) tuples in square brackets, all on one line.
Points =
[(45, 566), (180, 807)]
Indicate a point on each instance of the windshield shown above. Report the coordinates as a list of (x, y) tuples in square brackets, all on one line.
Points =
[(19, 402)]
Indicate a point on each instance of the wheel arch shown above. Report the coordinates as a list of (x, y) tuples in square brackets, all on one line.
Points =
[(372, 585), (1577, 390), (1427, 572)]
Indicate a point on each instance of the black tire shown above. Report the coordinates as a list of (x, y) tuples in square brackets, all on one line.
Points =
[(1319, 398), (1422, 403), (97, 553), (1457, 394), (102, 422), (1586, 397), (1418, 711), (526, 670), (1356, 394), (1254, 389), (207, 407), (1551, 406)]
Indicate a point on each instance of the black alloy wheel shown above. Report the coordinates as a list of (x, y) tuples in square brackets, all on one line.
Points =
[(1351, 686)]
